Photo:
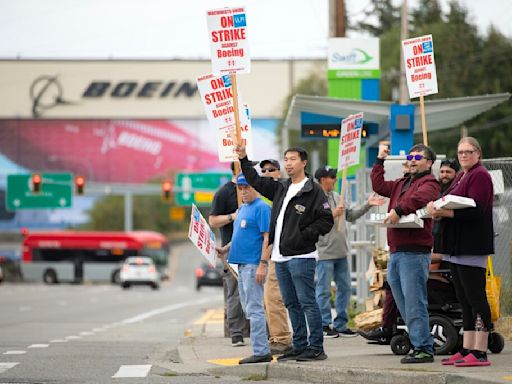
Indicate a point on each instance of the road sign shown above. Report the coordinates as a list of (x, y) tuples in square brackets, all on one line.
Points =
[(199, 188), (56, 191)]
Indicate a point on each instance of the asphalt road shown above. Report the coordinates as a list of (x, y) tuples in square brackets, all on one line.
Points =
[(100, 333)]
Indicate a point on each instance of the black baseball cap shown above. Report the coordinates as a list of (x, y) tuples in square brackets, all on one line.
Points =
[(275, 163), (452, 163), (325, 172)]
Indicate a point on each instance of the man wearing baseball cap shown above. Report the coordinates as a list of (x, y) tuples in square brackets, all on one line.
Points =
[(250, 239)]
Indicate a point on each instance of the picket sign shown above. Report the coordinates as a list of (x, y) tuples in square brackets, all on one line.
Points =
[(420, 72), (348, 155), (201, 235)]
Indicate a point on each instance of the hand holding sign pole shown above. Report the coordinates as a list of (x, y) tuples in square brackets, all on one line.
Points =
[(420, 71), (350, 146)]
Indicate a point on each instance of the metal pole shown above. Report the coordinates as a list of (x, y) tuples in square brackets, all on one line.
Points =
[(128, 211), (404, 34)]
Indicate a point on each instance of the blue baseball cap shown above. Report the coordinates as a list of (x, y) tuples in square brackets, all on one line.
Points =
[(240, 180)]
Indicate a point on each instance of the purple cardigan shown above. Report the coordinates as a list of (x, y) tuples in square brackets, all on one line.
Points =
[(470, 231)]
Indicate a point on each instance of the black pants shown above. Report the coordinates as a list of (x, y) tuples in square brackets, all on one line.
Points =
[(469, 285)]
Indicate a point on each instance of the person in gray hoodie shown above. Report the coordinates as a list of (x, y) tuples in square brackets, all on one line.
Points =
[(333, 250)]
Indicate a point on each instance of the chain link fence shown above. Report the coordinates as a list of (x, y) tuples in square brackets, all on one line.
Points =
[(501, 172)]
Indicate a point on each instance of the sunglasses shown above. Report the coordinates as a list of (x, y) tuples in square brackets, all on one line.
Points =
[(268, 170), (415, 157)]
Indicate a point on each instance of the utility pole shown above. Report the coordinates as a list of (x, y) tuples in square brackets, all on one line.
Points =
[(404, 34), (337, 18)]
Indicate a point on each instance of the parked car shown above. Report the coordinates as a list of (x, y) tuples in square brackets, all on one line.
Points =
[(206, 275), (139, 270), (1, 275)]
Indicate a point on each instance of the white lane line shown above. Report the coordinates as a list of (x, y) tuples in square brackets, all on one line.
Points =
[(98, 329), (72, 337), (169, 308), (14, 353), (39, 346), (59, 341), (86, 333), (132, 371), (6, 366), (25, 308)]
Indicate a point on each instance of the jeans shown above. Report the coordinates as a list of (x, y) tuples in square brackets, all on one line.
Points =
[(297, 282), (277, 316), (326, 271), (251, 297), (407, 276)]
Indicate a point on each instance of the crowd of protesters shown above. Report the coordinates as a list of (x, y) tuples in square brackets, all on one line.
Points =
[(290, 242)]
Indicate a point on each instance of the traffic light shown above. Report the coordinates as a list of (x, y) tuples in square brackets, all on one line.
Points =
[(79, 185), (36, 183), (364, 131), (166, 190)]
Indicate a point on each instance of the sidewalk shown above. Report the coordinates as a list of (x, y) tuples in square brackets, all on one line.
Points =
[(350, 360)]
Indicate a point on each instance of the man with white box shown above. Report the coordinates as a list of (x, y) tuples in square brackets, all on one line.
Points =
[(410, 248)]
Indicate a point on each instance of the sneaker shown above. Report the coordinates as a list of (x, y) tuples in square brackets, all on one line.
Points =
[(347, 333), (380, 334), (237, 341), (291, 355), (330, 333), (471, 360), (256, 359), (452, 359), (279, 349), (311, 355), (418, 357)]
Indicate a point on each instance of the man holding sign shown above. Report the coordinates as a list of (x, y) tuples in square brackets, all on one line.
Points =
[(300, 214), (250, 240), (410, 248)]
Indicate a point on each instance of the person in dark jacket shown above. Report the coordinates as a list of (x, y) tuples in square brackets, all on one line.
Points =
[(410, 248), (468, 239), (300, 214)]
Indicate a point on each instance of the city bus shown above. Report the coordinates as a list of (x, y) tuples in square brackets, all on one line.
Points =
[(77, 256)]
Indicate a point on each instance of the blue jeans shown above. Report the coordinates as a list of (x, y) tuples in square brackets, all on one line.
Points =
[(326, 271), (251, 297), (297, 282), (407, 276)]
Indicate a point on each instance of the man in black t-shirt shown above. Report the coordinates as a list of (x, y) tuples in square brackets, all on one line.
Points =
[(222, 216)]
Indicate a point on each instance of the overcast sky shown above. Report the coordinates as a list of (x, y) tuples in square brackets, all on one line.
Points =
[(177, 28)]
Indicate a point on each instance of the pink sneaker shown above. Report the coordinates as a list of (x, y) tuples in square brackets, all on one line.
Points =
[(471, 361), (452, 359)]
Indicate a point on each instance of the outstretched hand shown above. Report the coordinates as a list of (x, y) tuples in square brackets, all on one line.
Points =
[(376, 200)]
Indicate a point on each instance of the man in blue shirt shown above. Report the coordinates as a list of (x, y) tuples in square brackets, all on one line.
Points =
[(250, 239)]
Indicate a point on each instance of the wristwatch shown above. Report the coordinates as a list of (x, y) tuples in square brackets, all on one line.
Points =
[(230, 218), (264, 262)]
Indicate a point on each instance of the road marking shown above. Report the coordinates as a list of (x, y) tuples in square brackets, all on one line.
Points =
[(39, 346), (86, 333), (25, 308), (132, 371), (98, 329), (507, 378), (14, 353), (212, 316), (231, 361), (6, 366), (169, 308), (72, 337), (59, 341)]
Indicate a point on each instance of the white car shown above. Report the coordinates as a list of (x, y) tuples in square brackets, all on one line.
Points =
[(139, 270)]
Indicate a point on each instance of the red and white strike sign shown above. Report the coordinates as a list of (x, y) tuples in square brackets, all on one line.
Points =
[(201, 235), (420, 67), (227, 29), (350, 141), (217, 97)]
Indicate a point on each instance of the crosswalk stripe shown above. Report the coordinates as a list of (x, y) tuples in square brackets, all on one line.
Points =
[(132, 371), (14, 353), (6, 366)]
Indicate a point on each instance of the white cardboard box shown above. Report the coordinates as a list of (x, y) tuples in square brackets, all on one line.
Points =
[(454, 202), (407, 221)]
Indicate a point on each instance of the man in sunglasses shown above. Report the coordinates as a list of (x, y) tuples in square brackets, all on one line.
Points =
[(410, 248)]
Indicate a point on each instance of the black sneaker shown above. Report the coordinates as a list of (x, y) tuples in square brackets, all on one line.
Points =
[(311, 355), (330, 333), (347, 333), (418, 357), (380, 335), (237, 341), (291, 355), (256, 359)]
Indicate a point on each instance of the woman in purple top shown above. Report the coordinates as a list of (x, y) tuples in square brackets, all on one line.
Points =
[(467, 240)]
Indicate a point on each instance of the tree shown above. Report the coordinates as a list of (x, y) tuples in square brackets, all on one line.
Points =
[(428, 12), (388, 16)]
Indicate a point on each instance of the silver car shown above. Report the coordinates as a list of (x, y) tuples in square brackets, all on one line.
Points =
[(139, 270)]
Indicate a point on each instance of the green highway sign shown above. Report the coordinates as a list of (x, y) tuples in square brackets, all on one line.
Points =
[(199, 188), (56, 191)]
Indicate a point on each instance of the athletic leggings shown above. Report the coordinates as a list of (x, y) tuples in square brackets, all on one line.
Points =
[(469, 285)]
